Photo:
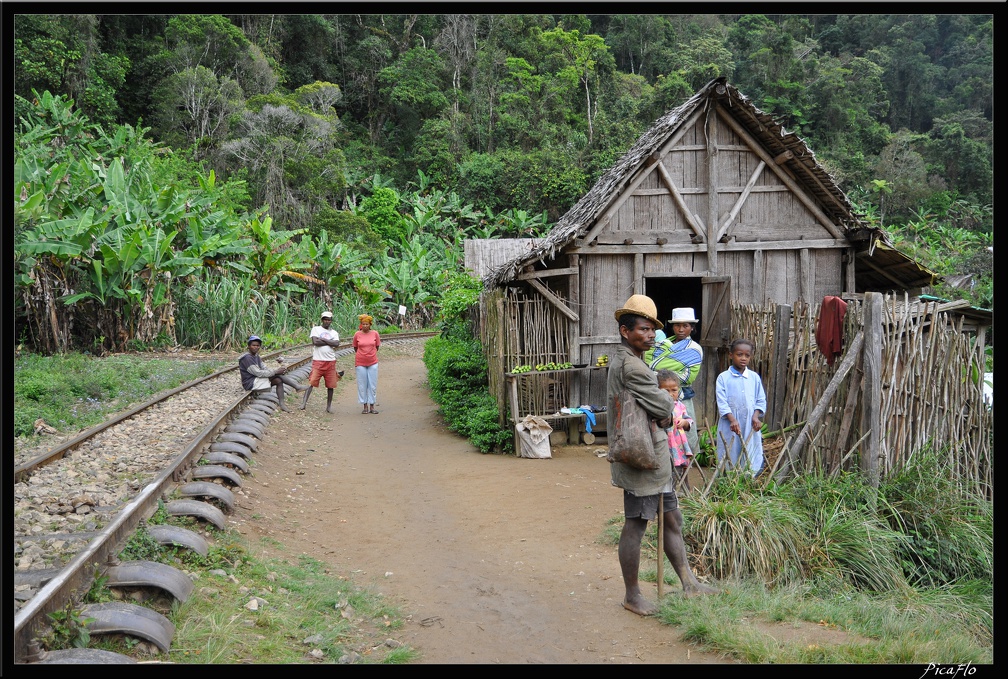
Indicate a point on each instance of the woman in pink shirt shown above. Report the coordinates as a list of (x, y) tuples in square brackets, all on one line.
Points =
[(365, 344)]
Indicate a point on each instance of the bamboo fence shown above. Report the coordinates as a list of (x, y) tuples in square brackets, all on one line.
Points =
[(932, 395)]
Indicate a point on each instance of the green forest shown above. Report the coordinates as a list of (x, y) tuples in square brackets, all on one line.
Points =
[(191, 179)]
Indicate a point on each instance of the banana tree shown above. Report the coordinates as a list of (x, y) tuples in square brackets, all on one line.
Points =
[(274, 261), (48, 263)]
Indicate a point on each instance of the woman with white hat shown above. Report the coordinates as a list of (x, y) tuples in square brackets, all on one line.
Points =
[(682, 355)]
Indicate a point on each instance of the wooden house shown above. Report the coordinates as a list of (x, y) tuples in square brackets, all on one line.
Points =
[(715, 203)]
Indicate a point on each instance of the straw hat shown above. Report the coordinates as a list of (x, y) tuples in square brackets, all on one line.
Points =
[(642, 305), (683, 314)]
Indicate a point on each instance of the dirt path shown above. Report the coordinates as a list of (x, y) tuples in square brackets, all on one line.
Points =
[(495, 559)]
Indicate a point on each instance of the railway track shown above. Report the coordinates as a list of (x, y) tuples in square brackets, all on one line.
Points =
[(78, 504)]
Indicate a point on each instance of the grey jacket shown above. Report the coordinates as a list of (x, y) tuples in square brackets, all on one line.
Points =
[(626, 370)]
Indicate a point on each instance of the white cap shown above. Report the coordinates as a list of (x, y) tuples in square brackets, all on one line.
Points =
[(326, 314)]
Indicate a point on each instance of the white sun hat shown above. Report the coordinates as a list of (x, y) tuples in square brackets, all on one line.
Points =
[(683, 314)]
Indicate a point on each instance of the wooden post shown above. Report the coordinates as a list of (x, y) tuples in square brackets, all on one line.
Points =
[(574, 328), (781, 350), (871, 405), (503, 353), (513, 380), (712, 188), (661, 544)]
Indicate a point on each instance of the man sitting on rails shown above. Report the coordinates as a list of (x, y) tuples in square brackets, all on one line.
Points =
[(255, 376)]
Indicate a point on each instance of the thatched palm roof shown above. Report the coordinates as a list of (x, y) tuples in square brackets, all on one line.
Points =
[(771, 135)]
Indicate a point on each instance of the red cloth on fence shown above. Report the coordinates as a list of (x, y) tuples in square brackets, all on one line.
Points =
[(829, 332)]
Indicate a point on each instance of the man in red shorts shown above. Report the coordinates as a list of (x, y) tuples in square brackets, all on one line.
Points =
[(325, 342)]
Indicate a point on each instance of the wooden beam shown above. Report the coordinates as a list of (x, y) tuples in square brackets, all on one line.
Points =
[(574, 327), (592, 340), (502, 393), (553, 299), (711, 122), (871, 385), (850, 274), (678, 199), (788, 181), (691, 190), (638, 273), (734, 246), (544, 273), (741, 199), (805, 275), (784, 157)]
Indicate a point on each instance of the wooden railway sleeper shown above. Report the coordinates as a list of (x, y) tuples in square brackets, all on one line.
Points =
[(197, 508), (221, 457), (216, 471), (180, 537), (142, 573), (125, 618), (208, 489)]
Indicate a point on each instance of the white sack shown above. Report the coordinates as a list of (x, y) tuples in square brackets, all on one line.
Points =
[(533, 437)]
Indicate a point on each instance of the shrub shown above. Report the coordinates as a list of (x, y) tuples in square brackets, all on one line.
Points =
[(457, 375)]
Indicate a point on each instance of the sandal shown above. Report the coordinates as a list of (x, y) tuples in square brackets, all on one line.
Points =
[(374, 412), (365, 411)]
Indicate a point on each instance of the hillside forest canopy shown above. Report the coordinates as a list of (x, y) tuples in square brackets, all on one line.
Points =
[(189, 178)]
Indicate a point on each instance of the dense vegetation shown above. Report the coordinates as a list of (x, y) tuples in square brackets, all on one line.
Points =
[(177, 175)]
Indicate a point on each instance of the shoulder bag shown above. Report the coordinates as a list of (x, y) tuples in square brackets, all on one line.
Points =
[(631, 442)]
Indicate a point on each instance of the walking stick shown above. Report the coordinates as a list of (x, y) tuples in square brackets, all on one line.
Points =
[(661, 540)]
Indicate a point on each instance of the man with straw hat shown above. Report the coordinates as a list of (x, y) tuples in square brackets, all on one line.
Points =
[(642, 488)]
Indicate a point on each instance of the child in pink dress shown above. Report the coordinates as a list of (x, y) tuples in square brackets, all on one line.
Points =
[(678, 425)]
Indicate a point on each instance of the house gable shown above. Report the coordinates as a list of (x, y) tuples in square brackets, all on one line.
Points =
[(755, 200)]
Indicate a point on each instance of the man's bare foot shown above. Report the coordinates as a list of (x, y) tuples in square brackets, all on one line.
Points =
[(699, 589), (640, 606), (328, 409), (302, 406), (284, 408)]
